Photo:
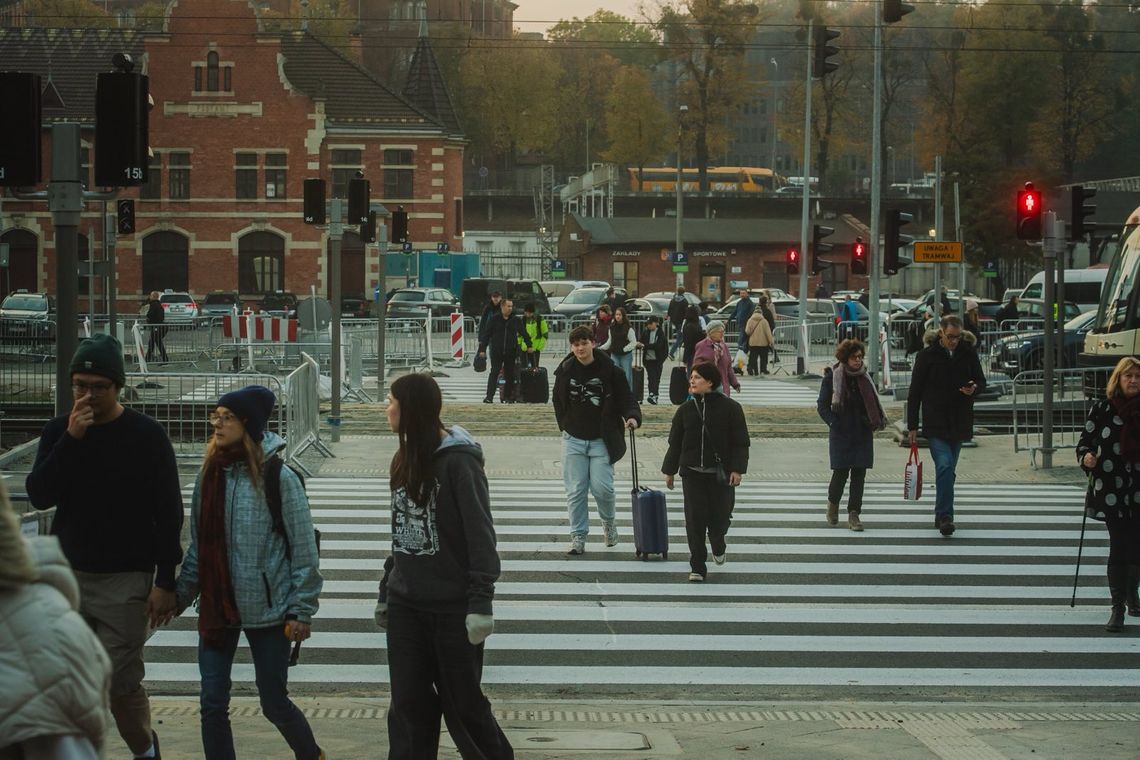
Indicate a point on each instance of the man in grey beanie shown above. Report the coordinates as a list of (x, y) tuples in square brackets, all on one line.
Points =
[(110, 472)]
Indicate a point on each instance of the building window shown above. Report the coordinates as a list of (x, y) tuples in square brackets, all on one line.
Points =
[(165, 262), (275, 167), (152, 190), (261, 263), (345, 163), (458, 217), (400, 156), (227, 79), (178, 171), (85, 167), (625, 276), (484, 246), (399, 168), (197, 79), (212, 71), (516, 247), (245, 186)]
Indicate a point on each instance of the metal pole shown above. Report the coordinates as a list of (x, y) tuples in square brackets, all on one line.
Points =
[(938, 234), (336, 233), (805, 255), (381, 274), (958, 237), (112, 286), (65, 201), (874, 261), (1050, 248), (680, 238)]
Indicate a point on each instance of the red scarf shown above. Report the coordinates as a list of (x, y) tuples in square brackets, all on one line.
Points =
[(1129, 411), (217, 609)]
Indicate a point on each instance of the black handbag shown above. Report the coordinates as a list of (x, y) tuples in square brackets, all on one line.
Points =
[(480, 363), (721, 472)]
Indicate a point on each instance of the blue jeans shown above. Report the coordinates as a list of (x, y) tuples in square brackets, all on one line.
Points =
[(945, 454), (270, 650), (625, 362), (586, 465)]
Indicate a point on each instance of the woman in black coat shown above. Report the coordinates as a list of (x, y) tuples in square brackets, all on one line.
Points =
[(1109, 451), (849, 405), (708, 434), (656, 349), (692, 333)]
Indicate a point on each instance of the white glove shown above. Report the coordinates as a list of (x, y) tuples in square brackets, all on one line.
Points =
[(479, 627), (380, 615)]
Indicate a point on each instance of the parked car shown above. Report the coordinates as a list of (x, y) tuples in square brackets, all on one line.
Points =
[(281, 303), (1034, 308), (27, 316), (1026, 352), (586, 301), (825, 310), (178, 306), (355, 306), (476, 294), (642, 308), (556, 290), (417, 303), (219, 303)]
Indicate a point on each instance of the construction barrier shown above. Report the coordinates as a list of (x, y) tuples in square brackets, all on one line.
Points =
[(258, 327), (457, 336)]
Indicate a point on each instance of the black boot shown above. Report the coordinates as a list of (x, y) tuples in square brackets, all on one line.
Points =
[(1117, 580), (1133, 597)]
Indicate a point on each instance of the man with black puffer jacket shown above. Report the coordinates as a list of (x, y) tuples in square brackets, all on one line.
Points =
[(503, 333)]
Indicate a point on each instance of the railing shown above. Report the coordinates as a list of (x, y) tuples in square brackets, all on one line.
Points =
[(37, 522), (1070, 410), (303, 412)]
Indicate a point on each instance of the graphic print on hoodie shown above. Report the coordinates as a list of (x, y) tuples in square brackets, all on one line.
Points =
[(414, 528)]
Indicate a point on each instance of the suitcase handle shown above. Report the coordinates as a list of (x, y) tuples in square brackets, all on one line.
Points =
[(633, 456)]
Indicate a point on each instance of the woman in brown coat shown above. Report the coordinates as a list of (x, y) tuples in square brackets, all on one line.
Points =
[(760, 341)]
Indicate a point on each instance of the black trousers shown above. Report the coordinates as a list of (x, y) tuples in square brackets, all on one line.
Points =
[(839, 479), (508, 364), (435, 671), (653, 376), (1123, 536), (754, 353), (157, 340), (708, 509)]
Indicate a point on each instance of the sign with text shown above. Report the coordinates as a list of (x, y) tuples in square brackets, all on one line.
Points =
[(680, 261), (937, 251)]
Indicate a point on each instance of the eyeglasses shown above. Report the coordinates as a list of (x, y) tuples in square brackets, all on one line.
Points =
[(856, 356), (221, 419), (952, 336), (93, 388)]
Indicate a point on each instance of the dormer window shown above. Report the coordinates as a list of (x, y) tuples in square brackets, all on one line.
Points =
[(214, 75)]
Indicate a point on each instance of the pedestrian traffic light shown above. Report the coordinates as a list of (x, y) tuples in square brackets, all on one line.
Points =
[(893, 239), (792, 261), (399, 225), (125, 216), (358, 192), (821, 51), (894, 10), (314, 212), (368, 229), (858, 257), (20, 163), (1079, 211), (122, 134), (1029, 213), (818, 248)]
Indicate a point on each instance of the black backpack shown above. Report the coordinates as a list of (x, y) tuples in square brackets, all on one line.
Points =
[(273, 467)]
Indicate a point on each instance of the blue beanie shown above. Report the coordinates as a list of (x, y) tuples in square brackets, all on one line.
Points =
[(252, 405)]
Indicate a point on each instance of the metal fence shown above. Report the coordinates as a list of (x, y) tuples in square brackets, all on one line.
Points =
[(303, 412), (1070, 410), (37, 522)]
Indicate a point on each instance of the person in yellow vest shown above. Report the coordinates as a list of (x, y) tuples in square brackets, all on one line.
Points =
[(537, 329)]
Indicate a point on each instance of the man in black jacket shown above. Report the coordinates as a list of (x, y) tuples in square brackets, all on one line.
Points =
[(947, 375), (593, 405), (501, 333)]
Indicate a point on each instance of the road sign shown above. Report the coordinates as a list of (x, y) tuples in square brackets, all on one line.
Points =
[(680, 261), (558, 269), (442, 249), (407, 247), (937, 251)]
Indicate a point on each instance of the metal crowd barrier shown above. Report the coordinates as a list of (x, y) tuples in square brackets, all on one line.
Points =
[(1070, 410), (303, 412), (185, 342), (37, 522)]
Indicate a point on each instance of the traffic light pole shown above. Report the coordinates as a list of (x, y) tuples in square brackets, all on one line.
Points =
[(875, 260), (805, 255), (1054, 235), (336, 234), (382, 305)]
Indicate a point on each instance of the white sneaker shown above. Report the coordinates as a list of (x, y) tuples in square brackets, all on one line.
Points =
[(611, 533), (577, 544), (719, 558), (696, 578)]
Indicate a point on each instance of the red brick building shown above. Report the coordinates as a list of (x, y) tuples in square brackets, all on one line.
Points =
[(242, 116)]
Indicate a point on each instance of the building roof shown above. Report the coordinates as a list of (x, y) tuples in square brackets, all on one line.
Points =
[(353, 96), (427, 90), (662, 230), (67, 61)]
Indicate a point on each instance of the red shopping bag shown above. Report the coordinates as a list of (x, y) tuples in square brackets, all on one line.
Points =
[(912, 476)]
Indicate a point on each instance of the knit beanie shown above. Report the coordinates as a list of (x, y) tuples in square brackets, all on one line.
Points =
[(252, 405), (100, 354), (714, 325)]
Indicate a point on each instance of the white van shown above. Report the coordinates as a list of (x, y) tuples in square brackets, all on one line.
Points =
[(1082, 286), (556, 290)]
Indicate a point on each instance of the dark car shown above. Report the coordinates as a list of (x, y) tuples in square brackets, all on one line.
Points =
[(219, 303), (1025, 352), (355, 306), (279, 304), (27, 316), (418, 303), (585, 301), (476, 294)]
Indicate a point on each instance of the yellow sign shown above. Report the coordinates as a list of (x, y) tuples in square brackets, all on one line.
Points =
[(937, 252)]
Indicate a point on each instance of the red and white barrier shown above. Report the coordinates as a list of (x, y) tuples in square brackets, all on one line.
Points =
[(249, 326), (457, 336)]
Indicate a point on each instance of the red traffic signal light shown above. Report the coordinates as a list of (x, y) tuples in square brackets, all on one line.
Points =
[(1029, 213), (858, 257), (792, 261)]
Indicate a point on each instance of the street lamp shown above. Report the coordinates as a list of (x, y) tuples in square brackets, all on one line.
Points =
[(680, 242), (775, 124)]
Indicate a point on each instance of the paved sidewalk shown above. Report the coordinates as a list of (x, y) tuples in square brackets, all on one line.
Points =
[(355, 728)]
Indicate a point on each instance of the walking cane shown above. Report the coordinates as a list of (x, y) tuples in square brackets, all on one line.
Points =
[(1080, 547)]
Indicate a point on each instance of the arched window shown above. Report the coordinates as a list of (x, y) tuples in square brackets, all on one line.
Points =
[(165, 262), (261, 263), (20, 274), (212, 71)]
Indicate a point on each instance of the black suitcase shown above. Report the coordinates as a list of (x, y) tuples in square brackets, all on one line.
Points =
[(534, 388), (678, 384), (639, 384), (650, 519)]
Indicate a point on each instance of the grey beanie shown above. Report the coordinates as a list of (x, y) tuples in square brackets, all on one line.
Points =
[(100, 355)]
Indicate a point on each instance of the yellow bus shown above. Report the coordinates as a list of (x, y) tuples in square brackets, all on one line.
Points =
[(732, 179)]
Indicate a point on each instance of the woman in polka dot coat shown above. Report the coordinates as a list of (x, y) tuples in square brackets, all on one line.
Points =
[(1109, 450)]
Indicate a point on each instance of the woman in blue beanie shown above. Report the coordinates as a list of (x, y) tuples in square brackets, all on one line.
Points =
[(247, 576)]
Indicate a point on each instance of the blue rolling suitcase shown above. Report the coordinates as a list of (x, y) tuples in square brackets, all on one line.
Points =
[(650, 520)]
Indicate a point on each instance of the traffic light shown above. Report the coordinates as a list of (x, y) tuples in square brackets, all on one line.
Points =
[(122, 134), (893, 240), (368, 229), (125, 216), (1079, 211), (1029, 213), (358, 192), (792, 261), (399, 225), (821, 51), (818, 248), (858, 257), (894, 10), (20, 124), (314, 212)]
